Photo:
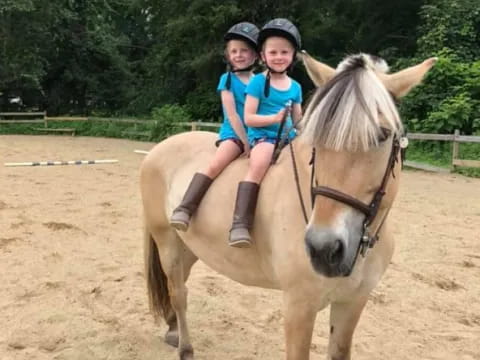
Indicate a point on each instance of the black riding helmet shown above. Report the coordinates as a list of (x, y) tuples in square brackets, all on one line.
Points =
[(282, 28), (243, 31), (247, 32)]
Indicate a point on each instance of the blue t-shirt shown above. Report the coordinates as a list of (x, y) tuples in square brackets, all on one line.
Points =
[(276, 101), (237, 87)]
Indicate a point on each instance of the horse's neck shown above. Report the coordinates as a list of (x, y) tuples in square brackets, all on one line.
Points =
[(289, 175)]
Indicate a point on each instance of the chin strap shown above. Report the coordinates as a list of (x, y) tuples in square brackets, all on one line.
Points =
[(266, 89), (228, 84)]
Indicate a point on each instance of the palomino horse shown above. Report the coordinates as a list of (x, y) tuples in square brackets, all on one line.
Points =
[(353, 125)]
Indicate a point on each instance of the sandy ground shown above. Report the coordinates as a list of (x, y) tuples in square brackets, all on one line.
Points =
[(72, 269)]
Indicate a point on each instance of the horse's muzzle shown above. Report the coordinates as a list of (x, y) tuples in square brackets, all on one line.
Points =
[(328, 252)]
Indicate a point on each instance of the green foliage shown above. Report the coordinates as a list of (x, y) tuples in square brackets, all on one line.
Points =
[(128, 56), (435, 153), (167, 119), (449, 98), (452, 24), (203, 103)]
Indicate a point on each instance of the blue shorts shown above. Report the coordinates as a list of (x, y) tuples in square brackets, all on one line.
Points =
[(236, 141), (256, 141)]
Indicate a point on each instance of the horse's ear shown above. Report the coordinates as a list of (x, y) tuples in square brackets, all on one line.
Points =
[(319, 72), (401, 82)]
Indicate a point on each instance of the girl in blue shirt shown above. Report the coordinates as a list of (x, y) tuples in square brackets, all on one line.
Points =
[(268, 96), (240, 53)]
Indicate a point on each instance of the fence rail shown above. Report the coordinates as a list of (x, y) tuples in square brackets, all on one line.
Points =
[(41, 117), (23, 117), (456, 139)]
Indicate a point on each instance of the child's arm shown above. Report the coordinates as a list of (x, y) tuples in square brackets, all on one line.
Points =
[(296, 114), (254, 120), (228, 103)]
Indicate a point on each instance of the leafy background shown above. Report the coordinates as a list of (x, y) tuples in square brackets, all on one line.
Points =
[(162, 59)]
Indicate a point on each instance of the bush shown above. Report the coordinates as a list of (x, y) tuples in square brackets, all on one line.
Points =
[(167, 119), (449, 99)]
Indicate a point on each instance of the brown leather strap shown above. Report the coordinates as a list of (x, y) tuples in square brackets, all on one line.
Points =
[(342, 197), (370, 210)]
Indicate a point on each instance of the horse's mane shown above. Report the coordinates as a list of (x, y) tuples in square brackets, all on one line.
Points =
[(345, 113)]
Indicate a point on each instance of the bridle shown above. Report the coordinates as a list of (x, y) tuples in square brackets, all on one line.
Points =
[(370, 210)]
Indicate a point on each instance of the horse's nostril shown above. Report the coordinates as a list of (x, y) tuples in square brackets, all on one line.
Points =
[(312, 251), (336, 252)]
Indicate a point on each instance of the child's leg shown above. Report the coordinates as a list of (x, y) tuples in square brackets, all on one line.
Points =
[(227, 151), (260, 158), (225, 154)]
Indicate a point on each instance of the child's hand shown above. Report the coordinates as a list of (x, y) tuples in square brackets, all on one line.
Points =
[(280, 115), (246, 149)]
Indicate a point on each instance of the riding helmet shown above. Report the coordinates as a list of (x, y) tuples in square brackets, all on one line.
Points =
[(282, 28), (243, 31)]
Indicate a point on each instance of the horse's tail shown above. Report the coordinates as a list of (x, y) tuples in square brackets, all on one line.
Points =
[(159, 298)]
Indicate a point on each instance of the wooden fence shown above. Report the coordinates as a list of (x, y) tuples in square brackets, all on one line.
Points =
[(41, 117), (456, 140), (23, 117)]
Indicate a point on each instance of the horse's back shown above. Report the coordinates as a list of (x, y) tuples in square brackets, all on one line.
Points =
[(168, 168), (165, 175)]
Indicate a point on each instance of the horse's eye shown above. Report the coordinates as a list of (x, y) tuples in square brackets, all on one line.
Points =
[(384, 134)]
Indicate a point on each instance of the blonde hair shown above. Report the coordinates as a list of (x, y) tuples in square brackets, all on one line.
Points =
[(348, 112)]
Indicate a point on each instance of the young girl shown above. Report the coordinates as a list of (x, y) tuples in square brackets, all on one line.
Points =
[(268, 96), (240, 53)]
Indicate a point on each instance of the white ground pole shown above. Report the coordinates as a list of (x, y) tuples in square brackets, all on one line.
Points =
[(72, 162), (140, 152)]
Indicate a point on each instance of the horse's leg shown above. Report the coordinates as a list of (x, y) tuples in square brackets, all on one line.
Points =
[(343, 320), (176, 266), (299, 322), (171, 336)]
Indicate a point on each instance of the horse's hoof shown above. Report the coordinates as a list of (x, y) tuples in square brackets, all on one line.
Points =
[(186, 353), (171, 338)]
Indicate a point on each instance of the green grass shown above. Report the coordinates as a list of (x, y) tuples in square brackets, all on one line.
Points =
[(143, 131), (440, 154)]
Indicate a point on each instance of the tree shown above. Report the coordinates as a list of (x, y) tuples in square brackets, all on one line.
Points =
[(450, 98), (21, 62)]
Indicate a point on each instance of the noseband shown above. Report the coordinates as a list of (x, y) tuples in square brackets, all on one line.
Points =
[(370, 210)]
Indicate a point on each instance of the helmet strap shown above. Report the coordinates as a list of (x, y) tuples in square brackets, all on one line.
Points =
[(230, 70), (228, 83), (266, 89), (248, 68)]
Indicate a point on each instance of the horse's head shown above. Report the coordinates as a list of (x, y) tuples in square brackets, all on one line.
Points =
[(353, 124)]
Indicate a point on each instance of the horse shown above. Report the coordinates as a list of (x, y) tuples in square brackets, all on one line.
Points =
[(331, 251)]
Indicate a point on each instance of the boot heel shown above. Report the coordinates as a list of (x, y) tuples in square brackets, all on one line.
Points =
[(197, 188), (180, 220), (240, 238)]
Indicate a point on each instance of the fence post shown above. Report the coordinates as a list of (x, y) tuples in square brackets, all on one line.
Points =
[(45, 119), (455, 149), (194, 126)]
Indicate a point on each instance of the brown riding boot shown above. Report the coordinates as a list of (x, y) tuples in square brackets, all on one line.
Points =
[(244, 214), (196, 190)]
